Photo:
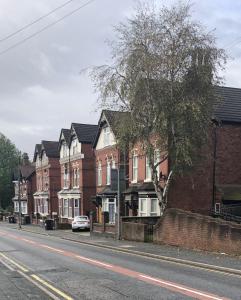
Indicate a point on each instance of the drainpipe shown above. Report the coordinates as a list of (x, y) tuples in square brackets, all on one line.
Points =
[(215, 125)]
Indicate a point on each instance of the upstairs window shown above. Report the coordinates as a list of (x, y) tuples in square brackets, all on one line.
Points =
[(76, 178), (99, 175), (106, 131), (66, 176), (108, 172), (74, 146), (157, 160), (148, 169), (134, 167)]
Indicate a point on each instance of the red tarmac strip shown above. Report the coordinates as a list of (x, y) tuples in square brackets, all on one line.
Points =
[(171, 286)]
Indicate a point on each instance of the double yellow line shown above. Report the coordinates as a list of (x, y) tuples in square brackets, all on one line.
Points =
[(36, 280)]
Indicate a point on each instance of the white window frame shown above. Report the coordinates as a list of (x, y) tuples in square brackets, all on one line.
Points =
[(148, 170), (76, 208), (46, 207), (70, 210), (65, 208), (99, 175), (142, 207), (16, 206), (153, 212), (106, 132), (66, 176), (108, 172), (157, 159), (146, 210), (134, 167), (24, 207)]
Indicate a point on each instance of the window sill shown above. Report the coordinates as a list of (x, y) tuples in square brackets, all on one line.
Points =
[(147, 180), (134, 181)]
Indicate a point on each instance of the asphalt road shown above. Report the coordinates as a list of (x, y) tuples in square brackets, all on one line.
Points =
[(70, 270)]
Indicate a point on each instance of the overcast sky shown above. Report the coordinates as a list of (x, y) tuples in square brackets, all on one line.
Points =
[(41, 88)]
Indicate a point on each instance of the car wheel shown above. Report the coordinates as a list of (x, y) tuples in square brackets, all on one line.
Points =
[(73, 230)]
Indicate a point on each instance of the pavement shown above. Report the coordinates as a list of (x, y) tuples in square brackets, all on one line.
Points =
[(14, 286), (218, 261)]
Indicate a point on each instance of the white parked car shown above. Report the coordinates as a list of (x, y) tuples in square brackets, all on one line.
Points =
[(80, 222)]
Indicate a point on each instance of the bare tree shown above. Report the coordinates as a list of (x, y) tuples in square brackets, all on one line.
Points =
[(164, 71)]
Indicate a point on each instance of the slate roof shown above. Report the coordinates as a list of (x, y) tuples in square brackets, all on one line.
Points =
[(66, 134), (27, 171), (85, 132), (229, 109), (51, 148), (37, 150)]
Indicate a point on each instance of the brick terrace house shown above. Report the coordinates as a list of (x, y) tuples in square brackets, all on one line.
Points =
[(77, 171), (108, 157), (213, 187), (27, 176), (46, 158)]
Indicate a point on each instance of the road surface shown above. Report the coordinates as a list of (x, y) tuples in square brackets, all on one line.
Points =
[(69, 270)]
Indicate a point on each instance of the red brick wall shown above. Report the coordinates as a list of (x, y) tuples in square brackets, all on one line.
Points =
[(194, 191), (54, 182), (228, 170), (194, 231), (142, 164)]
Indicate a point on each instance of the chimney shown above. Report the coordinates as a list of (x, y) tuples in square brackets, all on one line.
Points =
[(25, 158)]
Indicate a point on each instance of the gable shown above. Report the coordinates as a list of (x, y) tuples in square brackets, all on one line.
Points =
[(103, 141)]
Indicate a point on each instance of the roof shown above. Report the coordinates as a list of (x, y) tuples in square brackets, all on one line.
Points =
[(51, 148), (66, 133), (27, 171), (85, 132), (229, 109), (36, 151), (112, 118)]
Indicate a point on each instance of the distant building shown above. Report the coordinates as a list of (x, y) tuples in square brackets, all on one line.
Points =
[(25, 177), (46, 158)]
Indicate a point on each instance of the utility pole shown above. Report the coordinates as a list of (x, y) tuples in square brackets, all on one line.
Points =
[(118, 206), (19, 201)]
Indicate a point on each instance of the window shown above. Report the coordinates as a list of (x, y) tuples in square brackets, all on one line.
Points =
[(60, 207), (66, 207), (153, 210), (142, 207), (45, 208), (24, 207), (108, 172), (76, 207), (156, 160), (148, 207), (70, 214), (76, 178), (134, 167), (106, 136), (113, 164), (148, 169), (16, 206), (66, 176), (99, 177), (75, 146)]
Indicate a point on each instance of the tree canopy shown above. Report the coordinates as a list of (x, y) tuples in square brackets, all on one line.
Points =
[(164, 70), (9, 160)]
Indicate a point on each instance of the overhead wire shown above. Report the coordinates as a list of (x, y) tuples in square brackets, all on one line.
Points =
[(35, 21), (46, 27)]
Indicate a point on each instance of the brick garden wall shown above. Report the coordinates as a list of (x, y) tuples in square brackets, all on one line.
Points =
[(194, 231)]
